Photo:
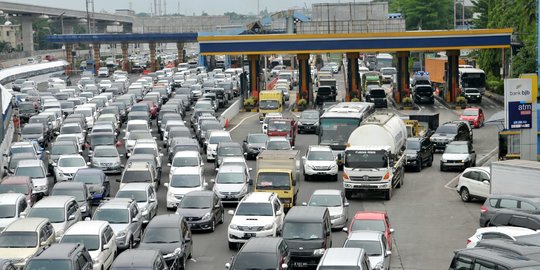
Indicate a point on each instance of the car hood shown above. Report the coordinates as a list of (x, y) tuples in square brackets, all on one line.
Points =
[(334, 211), (93, 187), (17, 253), (252, 220), (4, 222), (468, 118), (106, 159), (308, 121), (39, 181), (374, 260), (183, 191), (192, 212), (320, 163), (163, 248), (454, 156), (304, 244), (142, 205), (117, 227), (70, 169), (228, 187), (59, 226)]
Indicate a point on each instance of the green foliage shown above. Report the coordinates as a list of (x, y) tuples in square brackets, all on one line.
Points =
[(461, 100), (302, 102), (355, 99), (407, 101), (249, 102), (425, 15), (495, 85)]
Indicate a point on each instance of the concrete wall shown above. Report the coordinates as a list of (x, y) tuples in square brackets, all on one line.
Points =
[(343, 27), (176, 24), (349, 11), (230, 112), (6, 143)]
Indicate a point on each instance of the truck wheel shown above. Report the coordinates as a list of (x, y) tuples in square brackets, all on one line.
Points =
[(348, 194), (464, 194), (388, 194)]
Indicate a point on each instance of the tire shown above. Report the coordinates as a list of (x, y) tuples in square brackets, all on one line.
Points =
[(232, 246), (388, 194), (222, 217), (306, 178), (348, 194), (442, 168), (130, 243), (464, 194), (336, 178)]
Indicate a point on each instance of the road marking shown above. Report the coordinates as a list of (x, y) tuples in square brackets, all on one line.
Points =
[(482, 161), (242, 121), (453, 187)]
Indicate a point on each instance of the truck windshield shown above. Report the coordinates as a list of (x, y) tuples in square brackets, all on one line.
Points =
[(273, 181), (365, 159), (268, 104), (279, 126), (337, 130), (473, 80)]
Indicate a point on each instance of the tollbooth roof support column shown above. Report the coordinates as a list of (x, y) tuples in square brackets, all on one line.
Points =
[(452, 85), (304, 78), (180, 48), (152, 46), (69, 58), (254, 70), (353, 77), (125, 61), (97, 56), (402, 77)]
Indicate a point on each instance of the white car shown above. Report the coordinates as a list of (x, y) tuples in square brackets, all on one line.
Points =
[(336, 203), (320, 161), (145, 195), (186, 159), (132, 138), (239, 161), (474, 183), (75, 129), (500, 232), (104, 84), (183, 180), (103, 72), (62, 212), (214, 137), (267, 119), (278, 143), (231, 183), (12, 205), (98, 238), (67, 166), (259, 214), (145, 146)]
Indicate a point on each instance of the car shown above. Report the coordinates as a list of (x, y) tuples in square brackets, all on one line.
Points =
[(449, 132), (515, 218), (125, 219), (182, 181), (10, 167), (97, 237), (344, 258), (498, 202), (261, 253), (258, 214), (141, 259), (67, 256), (144, 195), (77, 190), (182, 159), (171, 236), (202, 210), (336, 203), (11, 207), (96, 182), (131, 138), (227, 149), (103, 72), (309, 121), (37, 171), (35, 132), (419, 153), (472, 95), (375, 245), (148, 147), (24, 147), (106, 158), (501, 232), (474, 183), (182, 144), (267, 119), (480, 257), (19, 184), (214, 137), (24, 238), (320, 161), (102, 138), (60, 148), (62, 212), (253, 144), (469, 128), (139, 172), (372, 221), (475, 116), (278, 143), (231, 183), (67, 166), (74, 128), (458, 154)]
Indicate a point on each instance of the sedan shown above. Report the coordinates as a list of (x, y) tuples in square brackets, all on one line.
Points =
[(106, 158), (96, 181), (372, 221), (202, 210), (475, 116), (336, 203), (67, 166), (375, 245)]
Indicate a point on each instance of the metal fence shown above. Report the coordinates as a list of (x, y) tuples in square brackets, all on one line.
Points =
[(345, 27)]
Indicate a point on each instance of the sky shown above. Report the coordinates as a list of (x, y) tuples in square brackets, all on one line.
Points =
[(187, 7)]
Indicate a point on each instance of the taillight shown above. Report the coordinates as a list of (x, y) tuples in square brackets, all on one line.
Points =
[(483, 209), (468, 241)]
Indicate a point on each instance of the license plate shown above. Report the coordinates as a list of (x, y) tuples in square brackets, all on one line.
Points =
[(250, 235), (321, 173), (300, 264)]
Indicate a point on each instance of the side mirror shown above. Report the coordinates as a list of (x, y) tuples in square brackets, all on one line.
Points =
[(388, 253), (166, 185), (346, 204), (216, 169), (304, 203), (105, 247), (205, 184), (279, 213), (473, 151), (213, 180), (43, 243), (87, 219), (71, 217), (292, 147), (169, 164), (227, 265), (345, 229), (284, 266), (392, 230), (152, 200), (160, 154), (134, 220), (47, 151), (230, 212), (88, 163), (304, 158), (486, 182), (22, 214), (250, 169)]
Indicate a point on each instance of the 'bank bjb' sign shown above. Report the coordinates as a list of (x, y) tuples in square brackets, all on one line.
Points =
[(518, 103)]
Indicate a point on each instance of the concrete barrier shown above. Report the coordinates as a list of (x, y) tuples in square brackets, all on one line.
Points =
[(230, 112), (6, 144), (22, 72)]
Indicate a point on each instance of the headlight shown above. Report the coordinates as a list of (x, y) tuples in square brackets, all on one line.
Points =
[(178, 251), (83, 208), (206, 216), (319, 252), (145, 212), (233, 226), (443, 160), (333, 165), (336, 216), (268, 226)]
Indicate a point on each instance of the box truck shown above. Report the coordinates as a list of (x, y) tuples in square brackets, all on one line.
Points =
[(515, 177)]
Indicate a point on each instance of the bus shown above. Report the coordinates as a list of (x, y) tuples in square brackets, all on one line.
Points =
[(337, 124), (472, 78), (383, 60)]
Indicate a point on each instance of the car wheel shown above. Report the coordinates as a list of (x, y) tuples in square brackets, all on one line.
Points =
[(232, 246), (442, 167), (306, 178), (388, 194), (222, 217), (130, 243), (348, 194), (464, 194)]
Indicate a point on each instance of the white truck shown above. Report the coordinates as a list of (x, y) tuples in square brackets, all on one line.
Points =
[(375, 156), (517, 177)]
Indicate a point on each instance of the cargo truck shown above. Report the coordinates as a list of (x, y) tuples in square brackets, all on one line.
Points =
[(270, 101), (279, 171), (421, 124), (515, 177), (375, 156)]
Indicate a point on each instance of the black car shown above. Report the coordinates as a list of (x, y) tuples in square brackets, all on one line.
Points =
[(377, 96), (423, 93), (139, 259), (486, 258), (309, 121), (253, 144), (96, 181), (66, 256), (261, 253), (448, 132), (27, 109), (170, 234), (324, 94), (35, 132), (516, 219), (419, 153), (202, 210), (101, 138)]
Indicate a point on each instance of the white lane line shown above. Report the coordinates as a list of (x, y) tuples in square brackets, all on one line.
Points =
[(451, 186), (483, 160), (242, 121)]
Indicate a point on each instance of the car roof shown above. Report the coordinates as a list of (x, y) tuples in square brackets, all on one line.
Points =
[(280, 138), (532, 198), (498, 257), (327, 192), (29, 163), (370, 215), (319, 148), (258, 197), (485, 169), (117, 203), (53, 201), (69, 185), (64, 143), (229, 144), (166, 221), (511, 230), (365, 235), (342, 256), (90, 227), (217, 132), (459, 142), (58, 251), (306, 213), (89, 171), (30, 224), (186, 154), (10, 198), (15, 180), (261, 245), (135, 186), (135, 257), (231, 168)]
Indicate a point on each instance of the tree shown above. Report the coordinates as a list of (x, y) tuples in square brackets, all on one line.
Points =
[(425, 15)]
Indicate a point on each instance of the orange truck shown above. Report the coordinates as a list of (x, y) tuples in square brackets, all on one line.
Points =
[(437, 67)]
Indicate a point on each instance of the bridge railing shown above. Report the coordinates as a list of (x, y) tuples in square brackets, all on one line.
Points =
[(352, 26)]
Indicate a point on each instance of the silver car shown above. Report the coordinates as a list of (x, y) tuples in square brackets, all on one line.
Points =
[(125, 219), (336, 203), (106, 158), (374, 243), (146, 197)]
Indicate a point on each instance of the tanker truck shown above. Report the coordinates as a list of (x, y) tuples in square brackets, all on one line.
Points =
[(375, 157)]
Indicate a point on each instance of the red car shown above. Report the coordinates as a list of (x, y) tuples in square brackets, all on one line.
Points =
[(282, 127), (372, 221), (475, 116)]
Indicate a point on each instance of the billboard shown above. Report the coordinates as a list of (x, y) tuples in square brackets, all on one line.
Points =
[(518, 103)]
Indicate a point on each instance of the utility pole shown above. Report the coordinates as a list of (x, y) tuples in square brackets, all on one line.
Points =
[(455, 16)]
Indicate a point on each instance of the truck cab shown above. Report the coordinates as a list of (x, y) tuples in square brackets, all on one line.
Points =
[(282, 127), (270, 101)]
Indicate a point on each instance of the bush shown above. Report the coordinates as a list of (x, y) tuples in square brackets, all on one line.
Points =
[(249, 102), (407, 100), (461, 100), (302, 102), (355, 100), (496, 86)]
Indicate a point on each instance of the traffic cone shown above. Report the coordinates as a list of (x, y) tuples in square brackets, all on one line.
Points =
[(226, 123)]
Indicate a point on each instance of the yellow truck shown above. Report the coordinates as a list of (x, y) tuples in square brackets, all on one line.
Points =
[(279, 171), (270, 101)]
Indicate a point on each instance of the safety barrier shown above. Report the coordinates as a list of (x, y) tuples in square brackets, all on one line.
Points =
[(21, 72), (230, 112)]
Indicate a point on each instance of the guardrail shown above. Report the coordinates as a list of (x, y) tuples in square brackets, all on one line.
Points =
[(230, 113), (22, 72)]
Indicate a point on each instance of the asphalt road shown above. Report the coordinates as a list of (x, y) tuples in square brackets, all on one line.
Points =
[(429, 219)]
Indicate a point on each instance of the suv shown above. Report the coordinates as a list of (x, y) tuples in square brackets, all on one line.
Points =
[(145, 195), (13, 205), (376, 246), (182, 181), (213, 138), (69, 256), (419, 152), (449, 132), (258, 214), (37, 171), (62, 211), (423, 93), (458, 154), (474, 183), (496, 203), (486, 258), (320, 161), (19, 184), (126, 219), (139, 172), (254, 142), (516, 219), (345, 258), (139, 259), (77, 190), (232, 183), (262, 253), (227, 149), (61, 148)]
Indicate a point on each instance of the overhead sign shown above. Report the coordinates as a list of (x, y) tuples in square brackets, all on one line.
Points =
[(518, 99)]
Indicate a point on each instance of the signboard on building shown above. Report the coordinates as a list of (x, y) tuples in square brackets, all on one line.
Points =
[(518, 103)]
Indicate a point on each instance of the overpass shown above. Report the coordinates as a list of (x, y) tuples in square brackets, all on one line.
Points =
[(28, 13)]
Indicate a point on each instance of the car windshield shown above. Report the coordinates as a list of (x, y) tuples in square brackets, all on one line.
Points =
[(456, 149), (273, 181), (309, 115), (257, 138), (254, 209), (54, 214), (15, 239), (211, 126), (7, 210), (107, 139), (159, 235), (71, 130), (320, 155), (71, 162), (32, 130), (91, 242), (14, 188), (360, 159), (268, 104), (230, 178), (32, 172), (413, 145), (303, 230), (185, 180), (256, 260), (185, 162), (136, 176), (17, 150), (88, 178), (230, 151), (137, 195), (106, 152), (470, 112), (372, 248), (447, 129), (113, 216), (26, 107), (369, 225), (278, 145), (325, 200), (64, 149), (132, 127), (77, 193), (377, 93), (144, 150), (279, 125), (218, 139), (196, 202), (203, 106)]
